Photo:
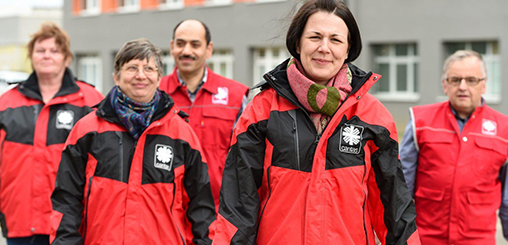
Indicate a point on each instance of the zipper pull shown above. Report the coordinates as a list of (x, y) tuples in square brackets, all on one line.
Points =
[(316, 141)]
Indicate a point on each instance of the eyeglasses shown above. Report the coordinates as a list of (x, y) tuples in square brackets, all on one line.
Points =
[(133, 70), (471, 81)]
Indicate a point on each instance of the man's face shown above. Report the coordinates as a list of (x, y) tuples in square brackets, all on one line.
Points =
[(465, 97), (189, 48)]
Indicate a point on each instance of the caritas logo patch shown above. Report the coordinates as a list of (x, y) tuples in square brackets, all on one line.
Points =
[(351, 139), (64, 119), (489, 127), (163, 157), (221, 97)]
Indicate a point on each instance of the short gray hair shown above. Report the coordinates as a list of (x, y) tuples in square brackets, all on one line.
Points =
[(138, 49), (460, 55)]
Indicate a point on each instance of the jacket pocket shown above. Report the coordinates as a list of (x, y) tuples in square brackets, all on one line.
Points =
[(435, 195), (221, 113), (436, 137), (493, 149), (480, 211), (217, 127), (432, 209)]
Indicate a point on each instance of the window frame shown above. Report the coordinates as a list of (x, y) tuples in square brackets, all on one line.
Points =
[(171, 4), (392, 60), (490, 58), (269, 61), (88, 10), (83, 73), (222, 56), (131, 7), (212, 3)]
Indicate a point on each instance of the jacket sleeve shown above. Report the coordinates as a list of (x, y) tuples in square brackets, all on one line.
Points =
[(503, 210), (200, 209), (67, 197), (409, 157), (243, 173), (391, 206)]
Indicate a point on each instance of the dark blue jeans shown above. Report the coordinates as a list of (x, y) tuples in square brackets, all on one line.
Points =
[(33, 240)]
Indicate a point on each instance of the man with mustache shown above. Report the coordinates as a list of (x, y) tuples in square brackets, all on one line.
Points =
[(212, 101), (453, 156)]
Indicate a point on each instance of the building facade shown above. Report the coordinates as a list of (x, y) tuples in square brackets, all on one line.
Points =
[(16, 26), (405, 41)]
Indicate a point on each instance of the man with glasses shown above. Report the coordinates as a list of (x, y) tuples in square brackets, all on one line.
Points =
[(453, 156)]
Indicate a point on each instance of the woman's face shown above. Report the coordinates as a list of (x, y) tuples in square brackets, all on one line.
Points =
[(323, 46), (48, 58), (138, 79)]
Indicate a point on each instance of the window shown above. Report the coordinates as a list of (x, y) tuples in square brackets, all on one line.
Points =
[(170, 4), (168, 63), (492, 58), (90, 7), (217, 2), (398, 64), (128, 6), (221, 63), (90, 70), (265, 59)]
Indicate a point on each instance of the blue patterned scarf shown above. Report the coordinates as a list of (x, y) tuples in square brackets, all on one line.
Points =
[(134, 116)]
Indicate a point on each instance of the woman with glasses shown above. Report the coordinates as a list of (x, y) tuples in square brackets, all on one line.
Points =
[(36, 117), (133, 172), (314, 156)]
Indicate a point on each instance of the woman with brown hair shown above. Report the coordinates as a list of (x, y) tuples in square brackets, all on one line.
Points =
[(133, 172), (314, 157), (35, 118)]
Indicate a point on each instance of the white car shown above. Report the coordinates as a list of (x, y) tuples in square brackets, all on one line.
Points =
[(9, 77)]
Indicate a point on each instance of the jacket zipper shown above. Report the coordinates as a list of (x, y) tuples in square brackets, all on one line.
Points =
[(171, 210), (86, 208), (267, 199), (292, 113), (363, 208), (120, 152), (36, 113)]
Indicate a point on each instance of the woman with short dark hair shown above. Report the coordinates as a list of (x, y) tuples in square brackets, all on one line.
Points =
[(314, 156), (133, 173), (35, 118)]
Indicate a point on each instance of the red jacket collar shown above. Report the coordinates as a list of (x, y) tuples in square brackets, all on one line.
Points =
[(172, 83)]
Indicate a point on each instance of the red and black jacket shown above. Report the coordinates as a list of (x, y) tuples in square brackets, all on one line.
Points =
[(285, 184), (212, 116), (112, 189), (32, 135)]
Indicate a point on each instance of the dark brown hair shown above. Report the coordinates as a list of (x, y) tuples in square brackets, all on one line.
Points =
[(48, 30), (336, 7)]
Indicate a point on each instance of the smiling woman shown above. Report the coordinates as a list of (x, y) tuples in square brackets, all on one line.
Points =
[(314, 156), (138, 157)]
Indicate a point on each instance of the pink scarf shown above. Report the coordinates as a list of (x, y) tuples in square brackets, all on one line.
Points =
[(320, 101)]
